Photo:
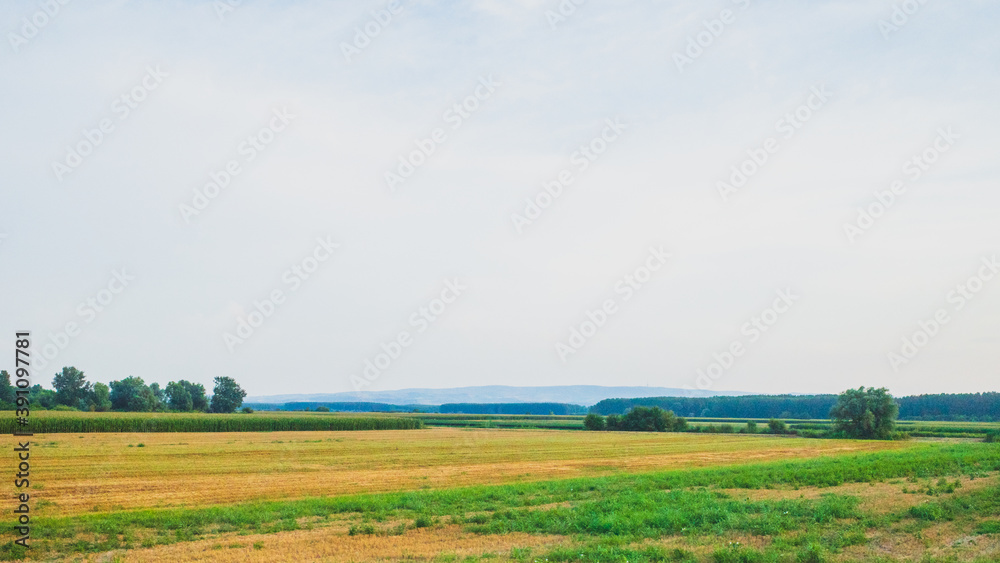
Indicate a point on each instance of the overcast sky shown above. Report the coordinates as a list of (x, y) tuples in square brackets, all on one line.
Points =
[(122, 260)]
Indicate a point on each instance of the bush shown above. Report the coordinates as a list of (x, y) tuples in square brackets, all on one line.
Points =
[(647, 419), (322, 409), (777, 426), (614, 422), (594, 422), (246, 410), (751, 427)]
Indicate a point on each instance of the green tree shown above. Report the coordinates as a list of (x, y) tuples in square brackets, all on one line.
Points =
[(159, 396), (71, 387), (227, 395), (751, 427), (594, 421), (865, 413), (100, 397), (45, 398), (132, 394), (614, 422), (777, 426), (7, 394), (680, 424), (648, 419), (178, 397), (199, 400)]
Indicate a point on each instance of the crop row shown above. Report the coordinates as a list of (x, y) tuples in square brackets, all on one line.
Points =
[(206, 423)]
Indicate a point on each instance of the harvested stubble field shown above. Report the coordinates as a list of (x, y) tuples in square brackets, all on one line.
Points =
[(104, 472), (445, 494)]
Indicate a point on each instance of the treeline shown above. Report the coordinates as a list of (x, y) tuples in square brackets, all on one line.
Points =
[(655, 419), (745, 406), (512, 408), (71, 391), (544, 409), (983, 407), (346, 406)]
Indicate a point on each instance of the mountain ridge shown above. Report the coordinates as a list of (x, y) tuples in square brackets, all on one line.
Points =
[(585, 395)]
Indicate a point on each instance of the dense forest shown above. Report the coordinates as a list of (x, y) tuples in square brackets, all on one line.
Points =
[(512, 408), (959, 406), (349, 406)]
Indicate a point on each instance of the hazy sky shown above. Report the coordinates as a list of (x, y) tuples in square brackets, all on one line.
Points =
[(640, 109)]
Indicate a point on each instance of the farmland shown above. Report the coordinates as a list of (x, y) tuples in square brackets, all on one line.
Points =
[(101, 472), (276, 421), (446, 494), (71, 421)]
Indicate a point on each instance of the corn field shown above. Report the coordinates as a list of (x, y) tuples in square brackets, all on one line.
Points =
[(183, 422)]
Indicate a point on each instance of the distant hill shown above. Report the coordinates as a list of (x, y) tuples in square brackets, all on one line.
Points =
[(575, 394), (338, 406)]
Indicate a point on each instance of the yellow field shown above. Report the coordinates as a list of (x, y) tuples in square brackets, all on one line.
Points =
[(76, 473)]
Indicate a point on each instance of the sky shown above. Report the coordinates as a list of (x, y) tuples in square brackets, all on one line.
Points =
[(307, 196)]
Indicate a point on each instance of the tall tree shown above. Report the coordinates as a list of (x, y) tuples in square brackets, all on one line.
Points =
[(132, 394), (159, 395), (865, 413), (199, 400), (7, 394), (227, 395), (178, 397), (71, 386), (101, 397)]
